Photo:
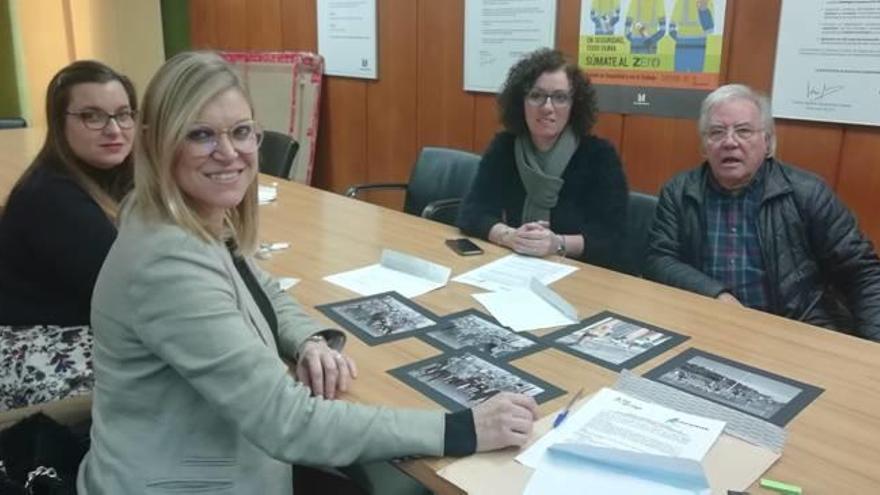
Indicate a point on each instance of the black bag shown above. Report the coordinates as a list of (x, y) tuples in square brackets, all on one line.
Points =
[(40, 457)]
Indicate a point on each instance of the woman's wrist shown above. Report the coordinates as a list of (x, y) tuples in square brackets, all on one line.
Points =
[(561, 248)]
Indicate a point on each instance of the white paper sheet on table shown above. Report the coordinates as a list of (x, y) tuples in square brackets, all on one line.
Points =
[(625, 445), (514, 271), (408, 275), (266, 194), (287, 282), (530, 308), (606, 470)]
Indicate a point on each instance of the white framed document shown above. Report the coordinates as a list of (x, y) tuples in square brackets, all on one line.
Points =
[(497, 33), (347, 37), (828, 61)]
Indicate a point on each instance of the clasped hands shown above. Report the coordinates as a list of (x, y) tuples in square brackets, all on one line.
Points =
[(327, 372), (532, 239)]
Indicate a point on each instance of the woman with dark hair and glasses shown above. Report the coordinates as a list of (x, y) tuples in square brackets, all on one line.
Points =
[(59, 220), (546, 185)]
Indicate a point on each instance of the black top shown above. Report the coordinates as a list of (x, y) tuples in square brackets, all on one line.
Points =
[(592, 201), (53, 241), (257, 292)]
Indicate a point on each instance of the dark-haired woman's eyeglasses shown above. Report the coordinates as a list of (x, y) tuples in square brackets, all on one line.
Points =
[(244, 137), (558, 99), (97, 120)]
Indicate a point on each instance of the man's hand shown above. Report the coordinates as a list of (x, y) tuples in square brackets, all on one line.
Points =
[(324, 370)]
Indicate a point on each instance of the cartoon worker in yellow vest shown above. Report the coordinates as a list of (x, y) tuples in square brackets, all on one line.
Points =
[(691, 22), (605, 15), (645, 25)]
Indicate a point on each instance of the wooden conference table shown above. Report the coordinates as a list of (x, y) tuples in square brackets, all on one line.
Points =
[(833, 445)]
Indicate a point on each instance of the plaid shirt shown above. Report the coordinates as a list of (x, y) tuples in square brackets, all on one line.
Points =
[(732, 251)]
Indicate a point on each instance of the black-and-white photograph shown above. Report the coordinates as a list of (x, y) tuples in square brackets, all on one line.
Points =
[(479, 332), (753, 391), (462, 380), (381, 317), (614, 341)]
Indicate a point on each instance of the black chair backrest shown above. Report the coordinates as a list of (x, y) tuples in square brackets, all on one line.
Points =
[(277, 153), (640, 216), (440, 173), (12, 123)]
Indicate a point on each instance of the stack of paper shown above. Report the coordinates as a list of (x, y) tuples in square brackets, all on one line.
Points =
[(514, 271), (616, 443), (408, 275), (529, 308)]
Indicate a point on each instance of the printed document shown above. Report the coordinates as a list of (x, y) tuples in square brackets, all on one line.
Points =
[(514, 271), (409, 275), (624, 445), (529, 308)]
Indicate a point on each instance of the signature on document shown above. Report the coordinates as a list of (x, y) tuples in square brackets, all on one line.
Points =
[(818, 91)]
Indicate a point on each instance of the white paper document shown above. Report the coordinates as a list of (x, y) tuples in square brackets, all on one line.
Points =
[(347, 37), (287, 282), (266, 194), (408, 275), (514, 271), (624, 445), (530, 308), (497, 33), (606, 470)]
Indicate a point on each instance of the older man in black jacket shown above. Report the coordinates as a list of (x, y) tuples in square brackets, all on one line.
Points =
[(748, 229)]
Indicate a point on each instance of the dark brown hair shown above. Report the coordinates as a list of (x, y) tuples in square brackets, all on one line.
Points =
[(56, 151), (522, 77)]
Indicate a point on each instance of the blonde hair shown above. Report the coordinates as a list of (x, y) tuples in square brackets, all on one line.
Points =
[(173, 100)]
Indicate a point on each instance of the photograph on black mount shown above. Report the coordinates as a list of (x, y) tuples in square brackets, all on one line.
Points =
[(381, 317)]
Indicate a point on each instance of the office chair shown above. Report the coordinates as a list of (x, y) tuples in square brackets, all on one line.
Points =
[(12, 123), (439, 180), (640, 217), (277, 152)]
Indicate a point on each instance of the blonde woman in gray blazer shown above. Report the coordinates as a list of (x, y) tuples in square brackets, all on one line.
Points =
[(191, 395)]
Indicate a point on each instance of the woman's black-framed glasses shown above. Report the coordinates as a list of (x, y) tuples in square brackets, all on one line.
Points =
[(558, 99), (97, 120)]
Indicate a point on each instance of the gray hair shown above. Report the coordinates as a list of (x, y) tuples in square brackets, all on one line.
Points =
[(730, 92)]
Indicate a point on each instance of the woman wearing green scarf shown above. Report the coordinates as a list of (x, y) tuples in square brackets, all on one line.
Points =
[(546, 185)]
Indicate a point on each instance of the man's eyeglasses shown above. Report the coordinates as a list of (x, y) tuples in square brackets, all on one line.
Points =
[(244, 137), (558, 99), (718, 133), (97, 120)]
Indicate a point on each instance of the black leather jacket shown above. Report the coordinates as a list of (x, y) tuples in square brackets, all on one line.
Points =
[(820, 268)]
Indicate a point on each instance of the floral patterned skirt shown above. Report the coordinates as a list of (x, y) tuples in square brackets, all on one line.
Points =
[(43, 364)]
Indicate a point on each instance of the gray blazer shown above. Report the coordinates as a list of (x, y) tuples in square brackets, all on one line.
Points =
[(191, 395)]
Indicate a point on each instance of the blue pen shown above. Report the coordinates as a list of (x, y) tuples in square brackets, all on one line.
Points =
[(564, 414)]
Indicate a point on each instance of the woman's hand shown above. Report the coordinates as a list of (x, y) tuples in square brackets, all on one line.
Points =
[(505, 419), (535, 239), (324, 370)]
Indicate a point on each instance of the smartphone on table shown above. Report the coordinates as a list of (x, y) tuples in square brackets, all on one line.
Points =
[(464, 247)]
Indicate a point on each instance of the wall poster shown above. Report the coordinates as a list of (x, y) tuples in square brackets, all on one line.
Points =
[(657, 57)]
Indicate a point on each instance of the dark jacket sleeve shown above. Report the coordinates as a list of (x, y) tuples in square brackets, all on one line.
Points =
[(483, 205), (847, 258), (665, 261), (71, 234), (603, 214)]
